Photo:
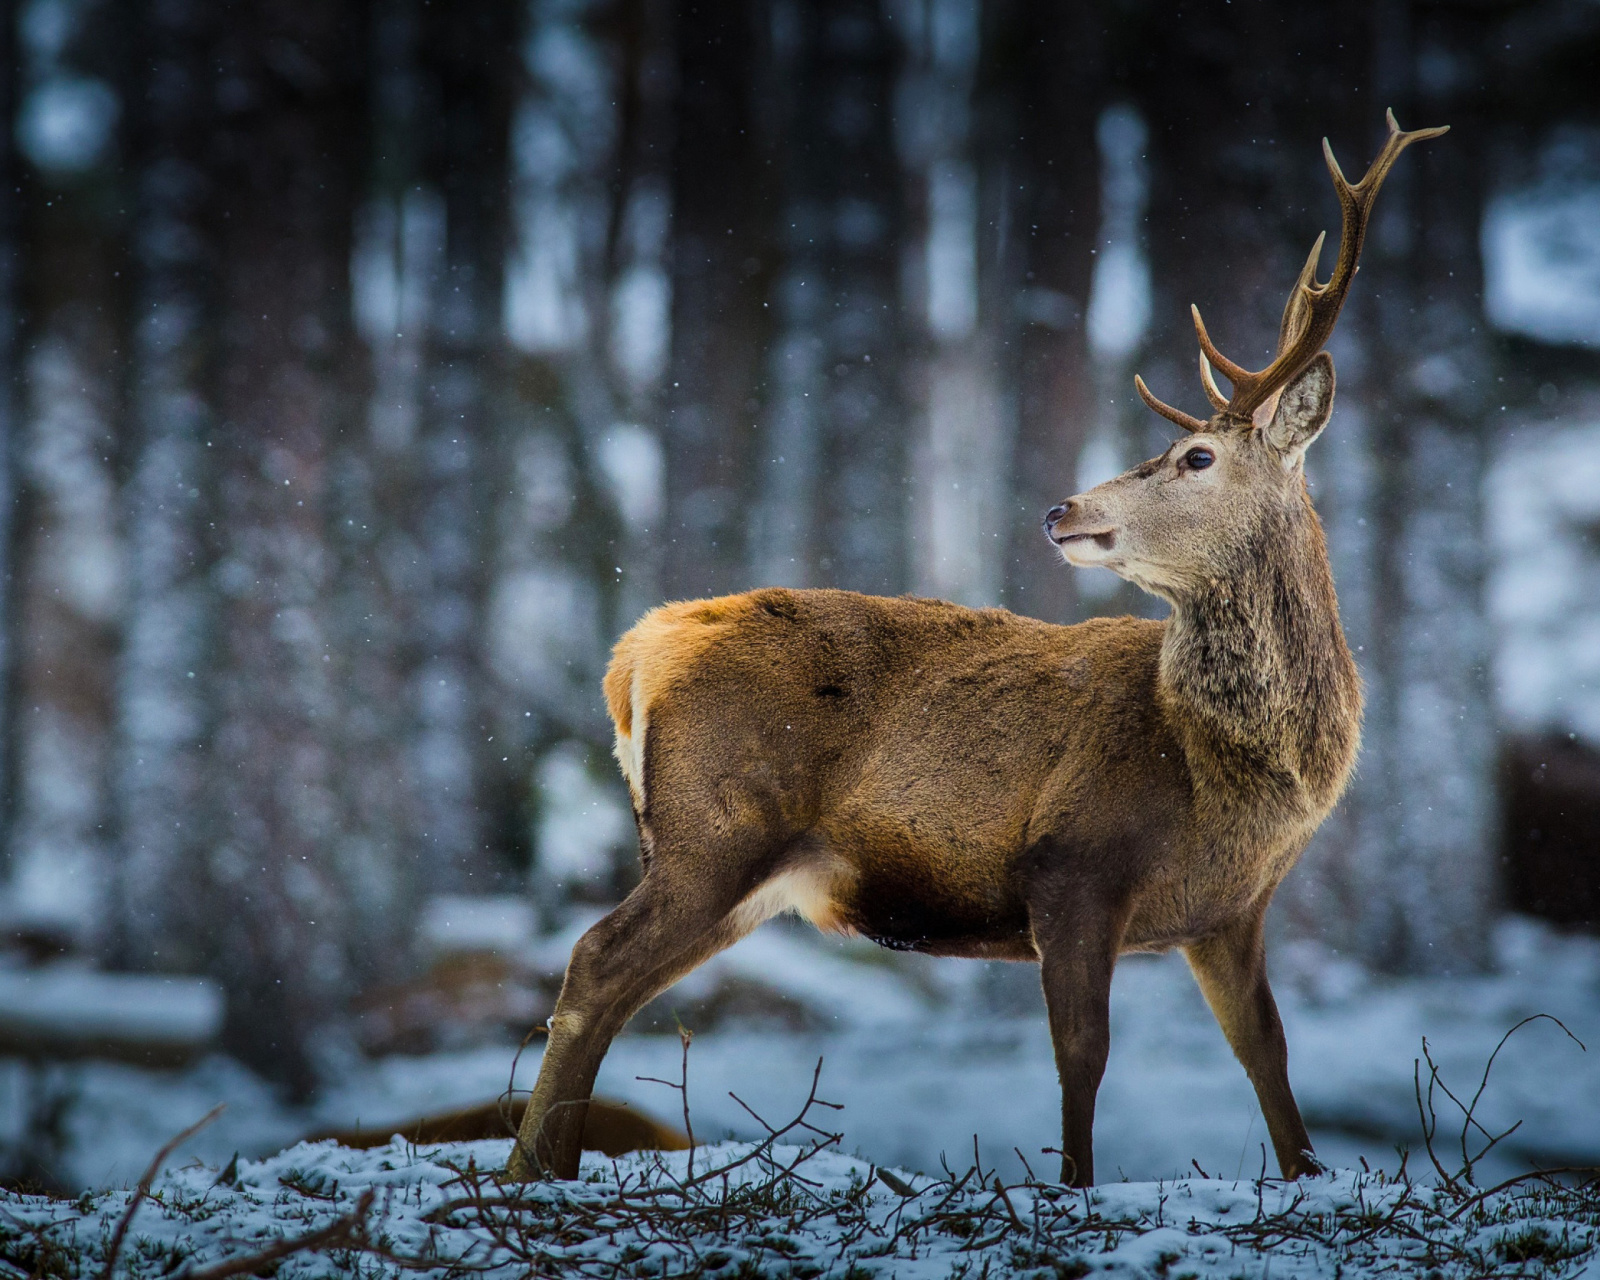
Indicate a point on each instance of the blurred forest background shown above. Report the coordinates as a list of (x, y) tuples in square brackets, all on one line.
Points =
[(367, 366)]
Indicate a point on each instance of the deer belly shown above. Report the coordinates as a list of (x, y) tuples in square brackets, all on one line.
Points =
[(911, 896), (1195, 901)]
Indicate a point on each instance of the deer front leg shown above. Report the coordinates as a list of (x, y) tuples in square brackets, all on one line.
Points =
[(1077, 944), (1231, 968)]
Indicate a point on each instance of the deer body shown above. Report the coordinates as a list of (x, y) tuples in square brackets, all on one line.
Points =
[(901, 764), (970, 782)]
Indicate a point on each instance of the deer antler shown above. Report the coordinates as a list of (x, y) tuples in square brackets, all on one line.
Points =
[(1312, 309)]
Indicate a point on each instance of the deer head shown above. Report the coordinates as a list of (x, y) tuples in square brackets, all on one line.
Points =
[(1172, 523)]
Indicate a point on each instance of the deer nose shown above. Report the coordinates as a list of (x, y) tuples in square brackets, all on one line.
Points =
[(1052, 516)]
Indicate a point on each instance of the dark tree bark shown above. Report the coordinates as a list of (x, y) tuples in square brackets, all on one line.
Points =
[(832, 510), (163, 719), (722, 261), (466, 62), (1045, 81), (288, 138), (378, 843), (9, 320)]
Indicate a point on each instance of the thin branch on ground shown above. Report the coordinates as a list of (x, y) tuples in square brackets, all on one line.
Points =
[(349, 1229), (114, 1250)]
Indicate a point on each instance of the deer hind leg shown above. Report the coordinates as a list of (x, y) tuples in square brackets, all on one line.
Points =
[(675, 920), (1231, 968), (1077, 943)]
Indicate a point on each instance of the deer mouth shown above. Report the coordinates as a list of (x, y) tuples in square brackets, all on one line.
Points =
[(1105, 539), (1085, 548)]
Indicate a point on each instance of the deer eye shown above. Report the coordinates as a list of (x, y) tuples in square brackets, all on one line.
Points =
[(1199, 459)]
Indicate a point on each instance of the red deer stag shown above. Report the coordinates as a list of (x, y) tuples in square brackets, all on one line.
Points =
[(973, 783)]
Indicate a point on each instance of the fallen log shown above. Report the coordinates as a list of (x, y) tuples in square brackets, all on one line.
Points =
[(612, 1128)]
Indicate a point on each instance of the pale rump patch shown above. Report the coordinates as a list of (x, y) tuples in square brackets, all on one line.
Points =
[(810, 889), (656, 651), (630, 746)]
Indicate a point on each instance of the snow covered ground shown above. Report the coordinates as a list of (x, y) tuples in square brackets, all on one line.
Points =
[(929, 1055), (793, 1209)]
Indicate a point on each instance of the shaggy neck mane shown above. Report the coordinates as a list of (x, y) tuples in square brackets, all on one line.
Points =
[(1257, 678)]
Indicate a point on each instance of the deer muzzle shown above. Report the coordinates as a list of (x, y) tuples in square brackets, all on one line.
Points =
[(1083, 536)]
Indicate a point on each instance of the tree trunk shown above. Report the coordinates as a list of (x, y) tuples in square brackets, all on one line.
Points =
[(69, 576), (832, 508), (10, 231), (288, 135), (163, 719), (960, 428), (378, 842), (1045, 83), (466, 57), (722, 260)]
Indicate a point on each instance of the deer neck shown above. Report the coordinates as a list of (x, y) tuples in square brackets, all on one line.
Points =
[(1256, 677)]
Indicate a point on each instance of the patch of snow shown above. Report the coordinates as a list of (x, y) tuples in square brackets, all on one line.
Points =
[(1119, 291), (539, 618), (641, 323), (66, 1003), (1541, 264), (582, 821), (793, 965), (454, 923), (1543, 586), (66, 123), (1100, 459), (544, 307), (952, 248), (634, 468)]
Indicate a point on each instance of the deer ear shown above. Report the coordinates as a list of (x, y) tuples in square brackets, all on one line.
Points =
[(1302, 410)]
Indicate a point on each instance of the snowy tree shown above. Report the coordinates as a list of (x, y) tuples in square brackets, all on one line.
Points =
[(377, 840), (68, 553), (961, 431)]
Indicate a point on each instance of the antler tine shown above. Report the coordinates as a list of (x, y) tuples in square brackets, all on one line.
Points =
[(1213, 392), (1234, 373), (1166, 410), (1295, 308), (1312, 308)]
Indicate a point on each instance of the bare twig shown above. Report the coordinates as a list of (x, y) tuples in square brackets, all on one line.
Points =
[(143, 1189), (509, 1097), (1533, 1175), (1471, 1108), (1429, 1118)]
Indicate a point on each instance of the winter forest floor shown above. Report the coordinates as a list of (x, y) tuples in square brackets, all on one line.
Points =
[(931, 1063)]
